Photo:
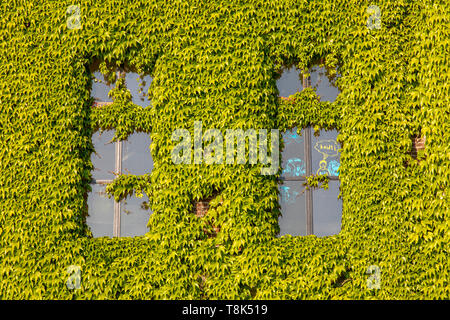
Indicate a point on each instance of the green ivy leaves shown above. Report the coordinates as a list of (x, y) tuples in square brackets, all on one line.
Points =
[(214, 61)]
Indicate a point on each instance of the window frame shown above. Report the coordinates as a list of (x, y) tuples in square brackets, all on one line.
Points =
[(309, 214), (118, 158)]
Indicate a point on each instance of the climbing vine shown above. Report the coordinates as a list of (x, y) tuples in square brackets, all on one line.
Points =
[(216, 62)]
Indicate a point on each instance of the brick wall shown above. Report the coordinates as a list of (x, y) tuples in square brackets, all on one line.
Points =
[(418, 144)]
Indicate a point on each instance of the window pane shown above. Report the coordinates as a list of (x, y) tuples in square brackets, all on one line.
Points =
[(135, 84), (101, 212), (137, 158), (325, 154), (290, 82), (103, 156), (324, 88), (293, 155), (100, 88), (327, 210), (134, 216), (293, 208)]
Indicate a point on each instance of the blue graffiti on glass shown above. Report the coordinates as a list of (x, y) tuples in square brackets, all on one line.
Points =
[(294, 168), (287, 195), (291, 136), (333, 167)]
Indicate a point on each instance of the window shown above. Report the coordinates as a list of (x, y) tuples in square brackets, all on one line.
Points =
[(130, 216), (314, 211)]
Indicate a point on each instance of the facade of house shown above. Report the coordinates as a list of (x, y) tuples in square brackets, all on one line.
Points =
[(138, 140)]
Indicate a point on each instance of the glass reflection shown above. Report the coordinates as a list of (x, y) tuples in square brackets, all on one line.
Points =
[(293, 209), (327, 209), (290, 82), (134, 217), (100, 88), (103, 157), (101, 211), (138, 88), (137, 158), (325, 88)]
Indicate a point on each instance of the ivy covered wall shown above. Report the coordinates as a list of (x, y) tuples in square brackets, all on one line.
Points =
[(215, 62)]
